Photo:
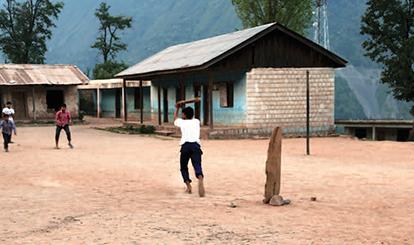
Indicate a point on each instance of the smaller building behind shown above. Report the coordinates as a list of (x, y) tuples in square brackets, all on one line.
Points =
[(393, 130), (37, 91), (105, 98)]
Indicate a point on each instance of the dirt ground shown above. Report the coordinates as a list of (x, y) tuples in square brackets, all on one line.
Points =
[(126, 189)]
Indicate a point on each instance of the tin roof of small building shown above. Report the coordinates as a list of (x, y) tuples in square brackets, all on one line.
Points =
[(112, 83), (36, 74), (203, 53)]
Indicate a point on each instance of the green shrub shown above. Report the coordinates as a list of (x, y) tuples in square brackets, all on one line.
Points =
[(147, 129), (81, 116)]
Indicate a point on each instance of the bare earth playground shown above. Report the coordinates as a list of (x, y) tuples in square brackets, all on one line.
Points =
[(126, 189)]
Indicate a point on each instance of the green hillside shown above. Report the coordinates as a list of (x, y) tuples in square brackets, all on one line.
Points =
[(160, 23)]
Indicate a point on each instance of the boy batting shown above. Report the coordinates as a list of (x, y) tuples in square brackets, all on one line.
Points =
[(190, 145)]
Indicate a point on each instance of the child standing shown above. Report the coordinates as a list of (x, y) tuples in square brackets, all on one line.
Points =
[(62, 122), (8, 127), (8, 110), (190, 146)]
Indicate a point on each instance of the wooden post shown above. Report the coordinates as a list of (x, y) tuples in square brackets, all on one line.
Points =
[(307, 114), (182, 90), (159, 105), (34, 103), (124, 86), (273, 165), (98, 102), (141, 101), (122, 99), (210, 102), (374, 133)]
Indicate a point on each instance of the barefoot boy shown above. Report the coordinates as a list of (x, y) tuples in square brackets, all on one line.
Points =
[(62, 122), (8, 127), (190, 146)]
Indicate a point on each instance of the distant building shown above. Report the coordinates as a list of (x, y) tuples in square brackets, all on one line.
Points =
[(249, 81), (393, 130), (105, 98), (36, 91)]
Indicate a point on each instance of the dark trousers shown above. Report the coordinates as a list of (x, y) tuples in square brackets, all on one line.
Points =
[(67, 131), (190, 151), (6, 139)]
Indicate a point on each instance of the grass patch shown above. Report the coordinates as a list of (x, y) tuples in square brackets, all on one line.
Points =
[(40, 123)]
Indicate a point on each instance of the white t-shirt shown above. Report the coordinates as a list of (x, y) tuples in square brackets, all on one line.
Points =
[(190, 130), (9, 112)]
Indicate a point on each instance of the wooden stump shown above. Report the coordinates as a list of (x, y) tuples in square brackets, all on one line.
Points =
[(273, 165)]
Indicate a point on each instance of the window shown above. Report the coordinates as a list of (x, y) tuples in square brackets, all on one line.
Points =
[(226, 95), (54, 99), (137, 99)]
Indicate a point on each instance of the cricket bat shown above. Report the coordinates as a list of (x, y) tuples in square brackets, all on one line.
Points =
[(194, 100)]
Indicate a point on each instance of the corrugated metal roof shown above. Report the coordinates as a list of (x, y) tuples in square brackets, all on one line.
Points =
[(193, 54), (28, 74), (112, 83)]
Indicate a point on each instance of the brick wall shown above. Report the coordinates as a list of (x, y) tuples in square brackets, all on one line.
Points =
[(277, 97)]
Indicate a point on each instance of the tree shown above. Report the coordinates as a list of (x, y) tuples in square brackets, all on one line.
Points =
[(389, 26), (108, 69), (25, 27), (108, 43), (294, 14)]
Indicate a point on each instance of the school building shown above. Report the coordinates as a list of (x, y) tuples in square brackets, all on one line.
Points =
[(249, 81), (37, 91), (106, 98)]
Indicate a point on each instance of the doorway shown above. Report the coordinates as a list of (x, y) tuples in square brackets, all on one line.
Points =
[(54, 99), (165, 104), (20, 105), (118, 98)]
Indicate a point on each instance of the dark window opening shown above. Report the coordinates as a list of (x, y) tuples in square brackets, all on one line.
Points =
[(177, 94), (403, 135), (54, 99), (361, 133), (197, 107), (226, 95), (137, 99)]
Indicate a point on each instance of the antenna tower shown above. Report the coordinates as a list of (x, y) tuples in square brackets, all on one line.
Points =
[(321, 24)]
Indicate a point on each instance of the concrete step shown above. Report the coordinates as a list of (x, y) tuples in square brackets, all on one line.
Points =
[(165, 132)]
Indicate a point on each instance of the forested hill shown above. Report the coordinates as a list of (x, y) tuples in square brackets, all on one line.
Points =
[(158, 24)]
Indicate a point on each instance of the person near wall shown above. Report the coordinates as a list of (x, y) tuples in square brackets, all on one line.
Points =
[(63, 119), (190, 146), (8, 110), (7, 128)]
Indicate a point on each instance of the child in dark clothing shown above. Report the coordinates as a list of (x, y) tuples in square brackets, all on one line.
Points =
[(8, 127)]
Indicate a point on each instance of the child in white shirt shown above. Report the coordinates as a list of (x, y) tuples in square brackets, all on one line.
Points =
[(190, 146)]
